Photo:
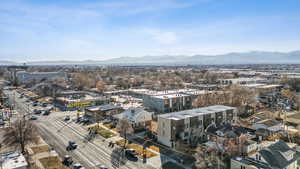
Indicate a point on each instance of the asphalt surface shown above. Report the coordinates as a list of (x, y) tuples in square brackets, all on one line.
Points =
[(57, 133)]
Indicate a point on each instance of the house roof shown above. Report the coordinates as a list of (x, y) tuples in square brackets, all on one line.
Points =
[(269, 122), (277, 155), (253, 162), (106, 107), (229, 130), (135, 115)]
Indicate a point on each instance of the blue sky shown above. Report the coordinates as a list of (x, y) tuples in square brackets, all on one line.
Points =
[(102, 29)]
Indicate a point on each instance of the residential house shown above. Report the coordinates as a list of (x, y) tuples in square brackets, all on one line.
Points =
[(137, 117), (267, 127), (276, 156)]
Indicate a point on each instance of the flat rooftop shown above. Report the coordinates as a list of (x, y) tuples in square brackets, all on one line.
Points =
[(14, 160), (195, 112), (170, 96)]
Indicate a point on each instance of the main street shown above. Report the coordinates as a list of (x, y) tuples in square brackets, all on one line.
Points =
[(58, 133)]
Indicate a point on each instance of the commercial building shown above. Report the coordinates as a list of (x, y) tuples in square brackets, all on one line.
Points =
[(190, 125), (23, 76), (243, 81), (72, 100), (98, 113)]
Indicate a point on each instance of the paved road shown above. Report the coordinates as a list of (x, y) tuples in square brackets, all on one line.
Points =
[(57, 133)]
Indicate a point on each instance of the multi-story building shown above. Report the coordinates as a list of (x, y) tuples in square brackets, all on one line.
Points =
[(165, 103), (190, 125)]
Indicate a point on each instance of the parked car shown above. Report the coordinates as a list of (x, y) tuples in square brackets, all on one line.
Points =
[(71, 146), (84, 121), (34, 104), (131, 153)]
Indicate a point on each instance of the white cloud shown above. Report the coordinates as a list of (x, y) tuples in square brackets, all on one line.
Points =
[(132, 7), (162, 37)]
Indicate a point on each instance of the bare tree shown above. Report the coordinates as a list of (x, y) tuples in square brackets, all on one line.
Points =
[(100, 85), (20, 133), (234, 95), (125, 128)]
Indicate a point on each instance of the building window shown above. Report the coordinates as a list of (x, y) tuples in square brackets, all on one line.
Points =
[(187, 125)]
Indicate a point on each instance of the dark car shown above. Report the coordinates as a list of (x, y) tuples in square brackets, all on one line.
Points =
[(33, 118), (67, 160), (67, 118), (71, 146), (46, 112), (37, 111), (34, 104), (130, 153), (84, 121)]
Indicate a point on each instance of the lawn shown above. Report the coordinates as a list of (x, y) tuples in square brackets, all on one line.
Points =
[(102, 131), (105, 133), (52, 163), (40, 149), (138, 148), (111, 126)]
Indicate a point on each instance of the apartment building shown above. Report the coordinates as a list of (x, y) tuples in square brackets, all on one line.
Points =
[(165, 103), (190, 125)]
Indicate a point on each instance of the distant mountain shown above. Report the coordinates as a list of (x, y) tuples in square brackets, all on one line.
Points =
[(253, 57), (5, 62)]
